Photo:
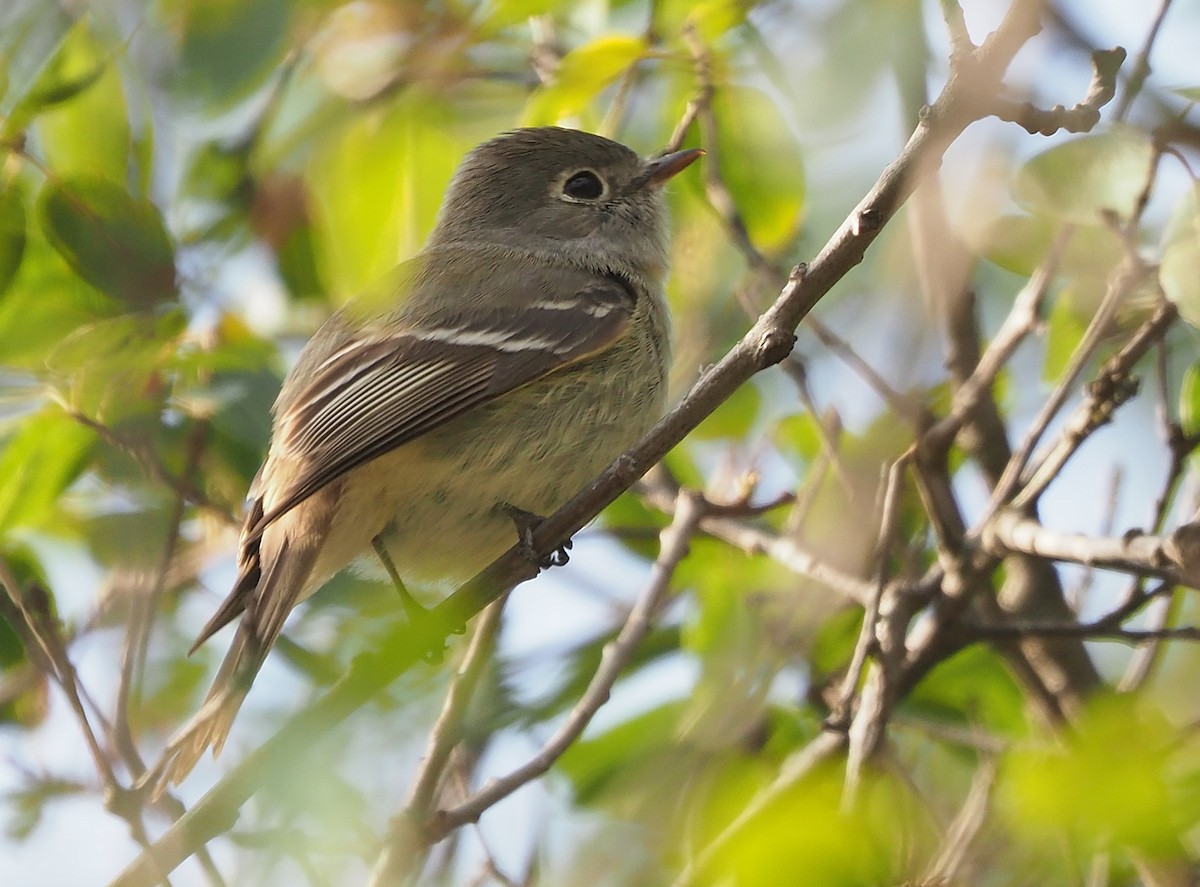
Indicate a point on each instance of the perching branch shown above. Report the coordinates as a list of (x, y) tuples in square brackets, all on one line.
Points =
[(766, 343)]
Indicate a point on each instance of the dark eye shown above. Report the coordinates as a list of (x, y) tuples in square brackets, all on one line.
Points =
[(585, 185)]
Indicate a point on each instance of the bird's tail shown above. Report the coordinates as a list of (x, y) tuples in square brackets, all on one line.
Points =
[(283, 579)]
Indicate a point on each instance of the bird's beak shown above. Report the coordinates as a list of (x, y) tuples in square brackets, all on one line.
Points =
[(657, 171)]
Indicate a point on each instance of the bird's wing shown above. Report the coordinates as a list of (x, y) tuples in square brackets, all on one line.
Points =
[(371, 396)]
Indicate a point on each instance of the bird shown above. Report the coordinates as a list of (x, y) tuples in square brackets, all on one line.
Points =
[(489, 377)]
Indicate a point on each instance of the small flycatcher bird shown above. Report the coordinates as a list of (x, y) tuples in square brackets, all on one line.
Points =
[(522, 350)]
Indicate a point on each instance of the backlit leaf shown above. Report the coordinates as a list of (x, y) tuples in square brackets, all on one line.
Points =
[(1189, 400), (761, 162), (1091, 786), (12, 232), (1020, 243), (89, 133), (1180, 268), (1080, 180), (38, 461), (376, 188), (582, 74)]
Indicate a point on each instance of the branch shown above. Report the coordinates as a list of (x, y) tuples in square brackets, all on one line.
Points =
[(766, 343), (676, 539), (781, 548), (1175, 557), (1112, 387), (1084, 115), (405, 851)]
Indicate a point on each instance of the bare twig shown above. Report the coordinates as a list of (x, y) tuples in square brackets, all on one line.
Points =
[(867, 640), (1084, 116), (1019, 323), (754, 539), (1109, 391), (1123, 281), (884, 639), (767, 342), (28, 612), (1146, 555), (676, 538), (137, 635), (953, 856), (406, 847), (1141, 65)]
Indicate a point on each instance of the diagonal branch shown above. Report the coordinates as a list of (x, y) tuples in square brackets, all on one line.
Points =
[(766, 343)]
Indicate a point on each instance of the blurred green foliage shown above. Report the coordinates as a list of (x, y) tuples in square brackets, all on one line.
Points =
[(189, 187)]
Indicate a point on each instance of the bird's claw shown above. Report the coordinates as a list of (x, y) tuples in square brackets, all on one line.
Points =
[(526, 522)]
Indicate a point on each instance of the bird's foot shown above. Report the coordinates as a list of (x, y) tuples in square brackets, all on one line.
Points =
[(434, 647), (526, 522)]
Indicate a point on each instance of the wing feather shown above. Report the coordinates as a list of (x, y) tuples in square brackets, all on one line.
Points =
[(372, 396)]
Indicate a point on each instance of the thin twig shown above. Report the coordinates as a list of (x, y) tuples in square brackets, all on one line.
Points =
[(753, 539), (676, 539), (405, 851), (1140, 70), (149, 462), (1123, 280), (889, 500), (767, 342), (1108, 392), (954, 853), (867, 725), (28, 612)]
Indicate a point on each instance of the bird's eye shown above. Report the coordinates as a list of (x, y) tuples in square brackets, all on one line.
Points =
[(584, 185)]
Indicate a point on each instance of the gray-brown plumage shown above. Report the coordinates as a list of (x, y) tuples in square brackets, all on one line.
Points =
[(506, 364)]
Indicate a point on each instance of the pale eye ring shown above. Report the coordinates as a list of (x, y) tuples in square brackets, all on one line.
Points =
[(583, 185)]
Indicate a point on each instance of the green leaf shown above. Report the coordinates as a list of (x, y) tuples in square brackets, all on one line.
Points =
[(725, 623), (1179, 270), (1065, 328), (593, 764), (40, 459), (714, 18), (733, 418), (973, 687), (806, 829), (1020, 243), (1191, 93), (77, 63), (799, 434), (761, 163), (44, 304), (217, 172), (582, 74), (116, 242), (227, 47), (1088, 785), (580, 664), (112, 369), (834, 642), (31, 33), (127, 539), (26, 699), (376, 188), (85, 129), (505, 13), (1080, 180), (630, 513), (281, 220), (12, 232), (1189, 400)]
